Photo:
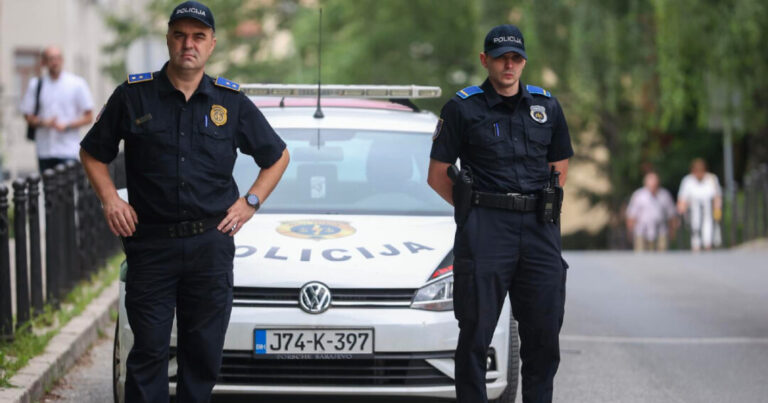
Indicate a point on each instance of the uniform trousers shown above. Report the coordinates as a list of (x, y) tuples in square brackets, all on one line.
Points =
[(499, 252), (191, 277)]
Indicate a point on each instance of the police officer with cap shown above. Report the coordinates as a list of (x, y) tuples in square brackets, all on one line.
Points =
[(181, 130), (508, 137)]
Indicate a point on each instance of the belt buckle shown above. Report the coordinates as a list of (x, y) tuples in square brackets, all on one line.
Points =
[(518, 203), (185, 229), (515, 200), (179, 230)]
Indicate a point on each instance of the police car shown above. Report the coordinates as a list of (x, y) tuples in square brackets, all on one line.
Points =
[(343, 281)]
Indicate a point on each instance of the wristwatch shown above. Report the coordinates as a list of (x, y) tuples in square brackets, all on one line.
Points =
[(252, 200)]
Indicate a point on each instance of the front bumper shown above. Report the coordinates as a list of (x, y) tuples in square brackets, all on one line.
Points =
[(413, 354)]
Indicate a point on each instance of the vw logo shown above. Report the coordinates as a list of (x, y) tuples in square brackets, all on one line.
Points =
[(314, 297)]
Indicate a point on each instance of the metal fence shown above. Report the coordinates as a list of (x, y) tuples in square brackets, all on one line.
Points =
[(73, 241), (750, 211)]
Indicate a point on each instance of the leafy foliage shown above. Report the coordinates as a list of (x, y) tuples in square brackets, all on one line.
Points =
[(657, 81), (31, 339)]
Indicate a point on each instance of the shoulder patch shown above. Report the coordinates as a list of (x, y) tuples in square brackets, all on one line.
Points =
[(229, 84), (139, 78), (469, 91), (538, 90)]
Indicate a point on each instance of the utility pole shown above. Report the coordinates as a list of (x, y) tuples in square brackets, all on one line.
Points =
[(724, 116), (730, 182)]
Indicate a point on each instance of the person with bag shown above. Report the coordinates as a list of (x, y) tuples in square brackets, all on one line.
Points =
[(56, 105)]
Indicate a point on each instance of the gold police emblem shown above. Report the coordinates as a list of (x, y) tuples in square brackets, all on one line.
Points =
[(315, 229), (539, 113), (218, 115)]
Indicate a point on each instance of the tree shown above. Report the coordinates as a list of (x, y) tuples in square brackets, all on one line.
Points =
[(645, 75), (396, 42), (365, 42), (650, 80), (243, 31)]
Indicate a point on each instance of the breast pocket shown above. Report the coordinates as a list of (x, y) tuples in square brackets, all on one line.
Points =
[(490, 140), (539, 139), (150, 143), (216, 148), (216, 141)]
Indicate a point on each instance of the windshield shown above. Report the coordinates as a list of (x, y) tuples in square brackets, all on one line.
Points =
[(351, 172)]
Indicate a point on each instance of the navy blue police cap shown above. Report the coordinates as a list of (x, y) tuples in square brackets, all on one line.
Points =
[(504, 39), (194, 10)]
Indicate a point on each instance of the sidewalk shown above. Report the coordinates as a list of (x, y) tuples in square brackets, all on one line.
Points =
[(63, 350), (756, 244)]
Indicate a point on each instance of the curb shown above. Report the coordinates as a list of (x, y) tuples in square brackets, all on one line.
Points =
[(63, 350)]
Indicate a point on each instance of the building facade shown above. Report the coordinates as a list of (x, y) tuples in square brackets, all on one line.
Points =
[(28, 26)]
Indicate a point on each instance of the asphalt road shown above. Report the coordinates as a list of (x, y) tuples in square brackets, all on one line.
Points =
[(676, 327)]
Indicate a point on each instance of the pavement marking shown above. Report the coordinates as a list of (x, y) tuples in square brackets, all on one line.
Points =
[(664, 340)]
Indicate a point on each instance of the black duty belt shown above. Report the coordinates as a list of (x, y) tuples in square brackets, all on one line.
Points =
[(509, 201), (177, 230)]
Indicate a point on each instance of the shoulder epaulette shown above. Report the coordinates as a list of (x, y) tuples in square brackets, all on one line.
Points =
[(229, 84), (139, 78), (469, 91), (538, 90)]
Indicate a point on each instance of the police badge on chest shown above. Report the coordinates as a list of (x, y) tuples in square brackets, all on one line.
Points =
[(539, 113)]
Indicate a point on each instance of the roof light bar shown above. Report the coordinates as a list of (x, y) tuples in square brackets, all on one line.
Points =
[(341, 91)]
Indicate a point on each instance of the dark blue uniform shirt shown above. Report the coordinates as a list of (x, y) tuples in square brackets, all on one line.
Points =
[(179, 154), (507, 148)]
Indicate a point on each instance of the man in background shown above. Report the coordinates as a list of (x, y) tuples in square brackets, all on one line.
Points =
[(65, 105), (651, 215)]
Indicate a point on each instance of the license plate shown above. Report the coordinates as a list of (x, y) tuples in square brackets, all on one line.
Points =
[(313, 343)]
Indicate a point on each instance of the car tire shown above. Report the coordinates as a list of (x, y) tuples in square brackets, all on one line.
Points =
[(513, 364), (117, 391)]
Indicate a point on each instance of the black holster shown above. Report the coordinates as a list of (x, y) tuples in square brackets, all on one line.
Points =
[(462, 193)]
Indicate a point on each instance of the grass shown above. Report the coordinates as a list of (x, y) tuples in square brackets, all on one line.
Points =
[(30, 340), (11, 229)]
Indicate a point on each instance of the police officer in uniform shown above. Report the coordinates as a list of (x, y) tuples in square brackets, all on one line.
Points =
[(181, 129), (508, 136)]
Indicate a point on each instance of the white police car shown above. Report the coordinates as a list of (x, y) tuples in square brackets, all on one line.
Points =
[(343, 280)]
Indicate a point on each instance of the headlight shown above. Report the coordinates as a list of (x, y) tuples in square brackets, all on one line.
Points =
[(435, 296)]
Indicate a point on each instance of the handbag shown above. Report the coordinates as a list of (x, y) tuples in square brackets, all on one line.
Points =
[(30, 128)]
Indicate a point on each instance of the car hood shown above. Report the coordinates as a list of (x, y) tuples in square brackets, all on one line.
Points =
[(342, 251)]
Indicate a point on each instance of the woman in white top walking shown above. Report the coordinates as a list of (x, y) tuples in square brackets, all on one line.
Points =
[(700, 201)]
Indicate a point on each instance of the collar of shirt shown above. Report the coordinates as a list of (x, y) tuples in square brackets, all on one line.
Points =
[(493, 98), (63, 76), (165, 87)]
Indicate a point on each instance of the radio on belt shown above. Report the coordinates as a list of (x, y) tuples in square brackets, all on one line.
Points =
[(551, 199)]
